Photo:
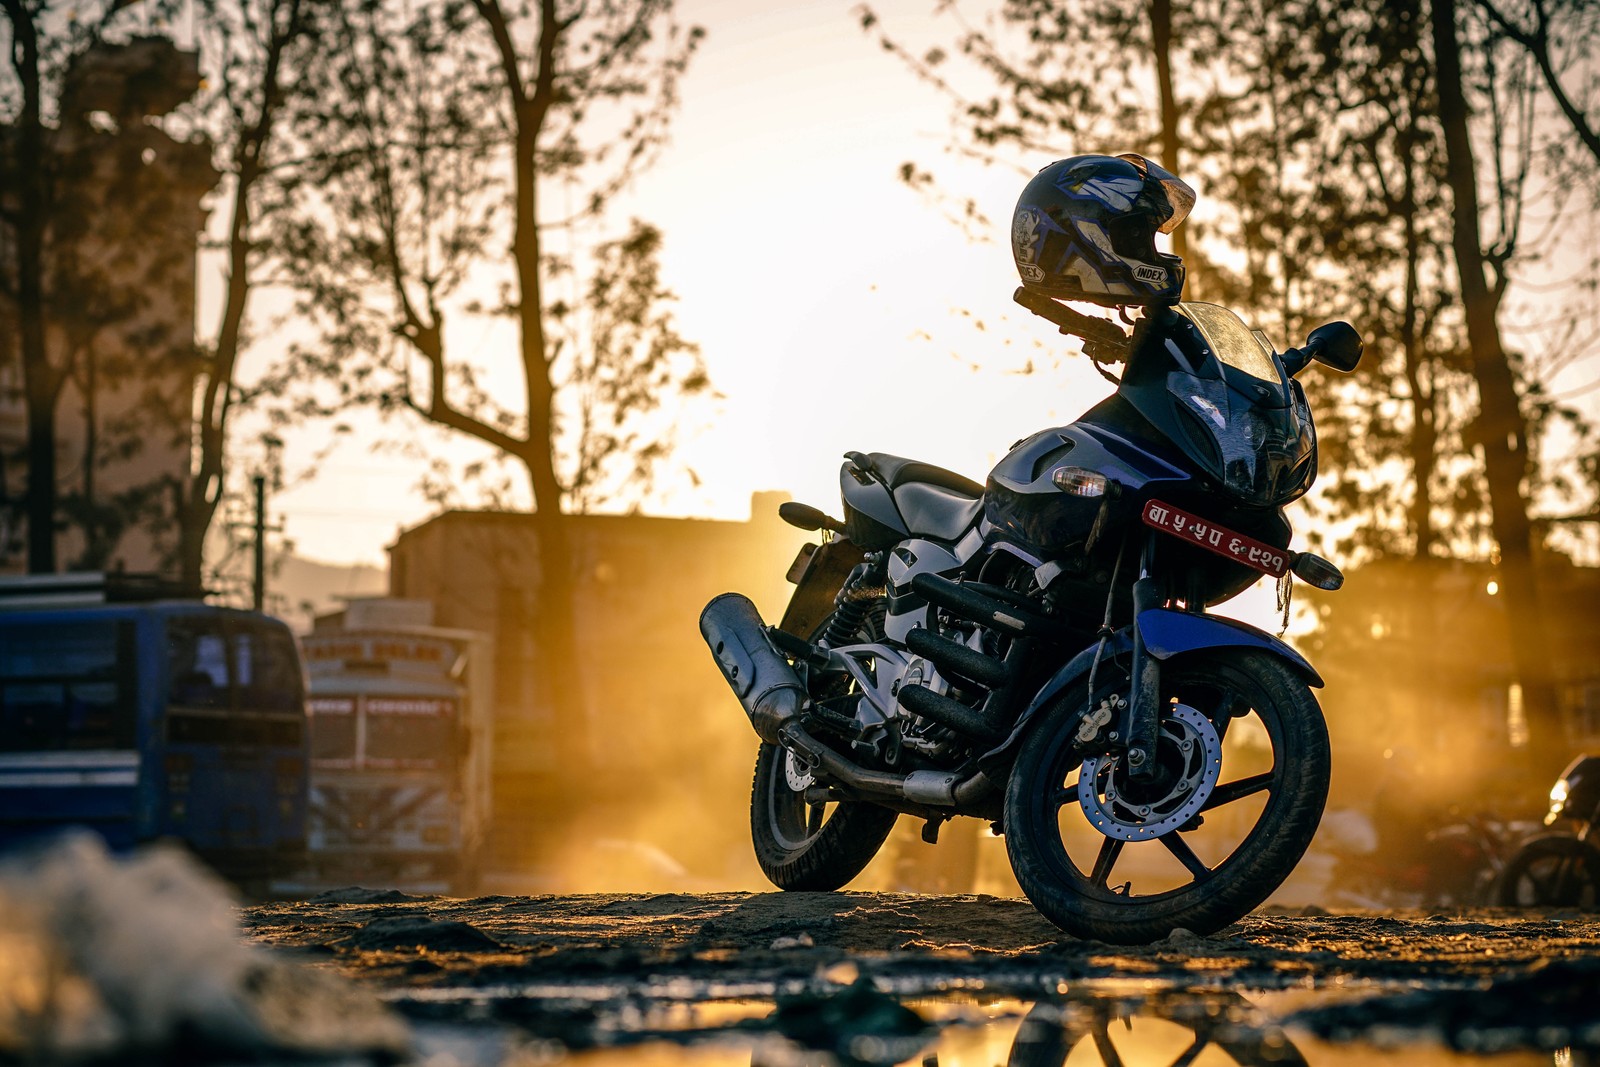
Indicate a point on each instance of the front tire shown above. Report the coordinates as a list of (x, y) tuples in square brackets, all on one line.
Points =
[(1241, 732)]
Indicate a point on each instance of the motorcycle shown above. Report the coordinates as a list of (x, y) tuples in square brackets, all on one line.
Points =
[(1560, 869), (1039, 651)]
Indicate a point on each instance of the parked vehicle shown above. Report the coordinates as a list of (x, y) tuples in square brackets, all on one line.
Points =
[(140, 717), (1039, 651), (400, 757), (1560, 869), (1454, 862)]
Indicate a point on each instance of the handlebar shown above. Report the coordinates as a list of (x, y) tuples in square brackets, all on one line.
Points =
[(1106, 342)]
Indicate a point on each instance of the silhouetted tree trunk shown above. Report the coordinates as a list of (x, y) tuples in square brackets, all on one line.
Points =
[(1161, 45), (41, 378), (1502, 428), (437, 128), (283, 24)]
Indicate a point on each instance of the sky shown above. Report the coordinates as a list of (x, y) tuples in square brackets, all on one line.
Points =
[(836, 309), (827, 297)]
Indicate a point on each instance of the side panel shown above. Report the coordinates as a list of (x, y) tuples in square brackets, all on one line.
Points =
[(1024, 506), (72, 726), (907, 611)]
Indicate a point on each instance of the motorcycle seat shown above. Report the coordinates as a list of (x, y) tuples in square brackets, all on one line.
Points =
[(934, 511), (897, 471)]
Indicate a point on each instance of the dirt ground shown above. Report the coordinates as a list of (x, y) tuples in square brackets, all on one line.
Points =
[(609, 971)]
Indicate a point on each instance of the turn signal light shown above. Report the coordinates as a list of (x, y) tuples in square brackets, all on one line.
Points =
[(1317, 571), (1079, 481)]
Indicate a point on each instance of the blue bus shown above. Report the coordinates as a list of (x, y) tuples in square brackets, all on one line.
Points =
[(149, 719)]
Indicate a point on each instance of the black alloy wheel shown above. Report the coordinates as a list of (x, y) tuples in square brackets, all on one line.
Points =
[(1241, 779)]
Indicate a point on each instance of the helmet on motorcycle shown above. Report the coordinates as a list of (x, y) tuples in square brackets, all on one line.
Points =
[(1085, 229)]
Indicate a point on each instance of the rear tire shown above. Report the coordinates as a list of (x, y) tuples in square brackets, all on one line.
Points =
[(1206, 865), (815, 847), (1551, 872), (806, 846)]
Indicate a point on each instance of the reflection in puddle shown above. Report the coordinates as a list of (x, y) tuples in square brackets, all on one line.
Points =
[(860, 1026)]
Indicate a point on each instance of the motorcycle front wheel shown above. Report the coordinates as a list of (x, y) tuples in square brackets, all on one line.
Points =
[(1239, 787), (801, 845), (1551, 872)]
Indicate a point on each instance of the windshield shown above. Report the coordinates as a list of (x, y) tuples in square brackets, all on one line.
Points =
[(1218, 393), (333, 730), (409, 731), (67, 686), (223, 663), (1232, 341)]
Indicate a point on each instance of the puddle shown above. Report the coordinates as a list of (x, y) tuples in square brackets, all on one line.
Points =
[(1114, 1024)]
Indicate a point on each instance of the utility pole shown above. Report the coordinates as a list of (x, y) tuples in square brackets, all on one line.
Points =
[(258, 585)]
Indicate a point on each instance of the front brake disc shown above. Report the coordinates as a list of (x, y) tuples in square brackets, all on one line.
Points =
[(1120, 808)]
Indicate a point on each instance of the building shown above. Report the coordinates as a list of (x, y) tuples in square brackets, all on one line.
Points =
[(661, 731), (120, 274), (1416, 656)]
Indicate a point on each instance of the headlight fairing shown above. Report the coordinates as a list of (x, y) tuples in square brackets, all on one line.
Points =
[(1256, 450)]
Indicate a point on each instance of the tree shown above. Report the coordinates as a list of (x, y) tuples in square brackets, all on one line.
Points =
[(445, 133), (1557, 36), (257, 48), (105, 203), (42, 378), (1501, 429)]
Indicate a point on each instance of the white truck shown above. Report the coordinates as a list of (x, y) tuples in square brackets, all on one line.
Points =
[(401, 736)]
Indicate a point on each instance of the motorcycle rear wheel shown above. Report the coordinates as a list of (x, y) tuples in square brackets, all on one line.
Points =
[(1551, 872), (1267, 782), (805, 846)]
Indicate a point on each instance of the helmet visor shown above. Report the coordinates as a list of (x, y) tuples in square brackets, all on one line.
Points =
[(1179, 196)]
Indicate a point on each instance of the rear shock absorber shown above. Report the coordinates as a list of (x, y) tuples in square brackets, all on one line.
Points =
[(850, 607)]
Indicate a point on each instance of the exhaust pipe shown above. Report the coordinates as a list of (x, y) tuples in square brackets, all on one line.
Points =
[(767, 687), (773, 696)]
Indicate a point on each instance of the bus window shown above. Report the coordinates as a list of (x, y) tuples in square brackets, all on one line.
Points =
[(409, 732), (267, 670), (67, 686), (333, 731), (197, 657)]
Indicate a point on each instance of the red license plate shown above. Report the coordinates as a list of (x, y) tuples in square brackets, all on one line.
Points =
[(1219, 539)]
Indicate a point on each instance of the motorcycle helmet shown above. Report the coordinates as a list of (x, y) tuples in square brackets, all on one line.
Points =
[(1085, 229)]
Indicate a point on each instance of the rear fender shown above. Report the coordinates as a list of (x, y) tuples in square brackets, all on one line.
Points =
[(1166, 633), (818, 577)]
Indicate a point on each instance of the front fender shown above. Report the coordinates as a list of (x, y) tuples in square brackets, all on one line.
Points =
[(1166, 633), (1169, 633)]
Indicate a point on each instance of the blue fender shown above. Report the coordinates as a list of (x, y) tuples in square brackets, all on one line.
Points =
[(1166, 633)]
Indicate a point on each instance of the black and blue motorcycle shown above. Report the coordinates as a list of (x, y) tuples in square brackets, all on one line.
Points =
[(1039, 651)]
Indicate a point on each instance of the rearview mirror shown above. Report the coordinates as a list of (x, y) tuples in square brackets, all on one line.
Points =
[(1337, 344)]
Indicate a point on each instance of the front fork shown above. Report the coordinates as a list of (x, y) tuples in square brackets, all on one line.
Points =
[(1141, 719)]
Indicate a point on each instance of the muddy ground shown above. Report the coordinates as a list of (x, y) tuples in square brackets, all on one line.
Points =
[(821, 970)]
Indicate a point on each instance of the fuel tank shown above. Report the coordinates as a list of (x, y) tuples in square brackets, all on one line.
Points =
[(1026, 507)]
